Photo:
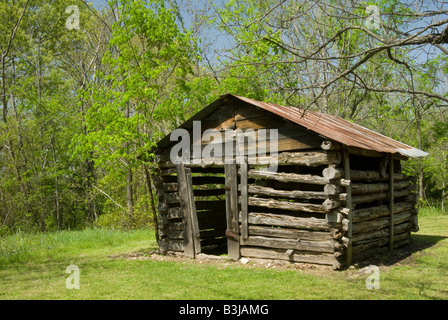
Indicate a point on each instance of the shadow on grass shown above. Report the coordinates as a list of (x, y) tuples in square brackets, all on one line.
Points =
[(399, 255)]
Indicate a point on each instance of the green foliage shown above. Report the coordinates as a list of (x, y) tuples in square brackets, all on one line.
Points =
[(81, 108)]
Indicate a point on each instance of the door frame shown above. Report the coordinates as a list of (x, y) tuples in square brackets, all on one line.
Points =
[(236, 200), (192, 243)]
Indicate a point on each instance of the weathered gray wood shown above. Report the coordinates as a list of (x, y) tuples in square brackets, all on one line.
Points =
[(279, 254), (193, 213), (174, 213), (374, 176), (398, 185), (162, 207), (175, 226), (402, 227), (380, 211), (377, 224), (157, 179), (282, 144), (285, 205), (336, 233), (288, 221), (332, 189), (347, 176), (330, 204), (172, 197), (357, 199), (293, 194), (173, 234), (185, 207), (365, 188), (334, 217), (311, 159), (244, 199), (232, 212), (289, 233), (313, 246), (376, 243), (170, 187), (287, 177), (363, 152), (332, 173), (391, 202), (359, 238), (306, 158), (330, 145), (173, 245)]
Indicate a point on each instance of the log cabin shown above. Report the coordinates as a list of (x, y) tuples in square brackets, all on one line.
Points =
[(309, 187)]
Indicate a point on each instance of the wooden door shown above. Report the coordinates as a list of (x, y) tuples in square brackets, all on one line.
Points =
[(232, 212), (192, 244)]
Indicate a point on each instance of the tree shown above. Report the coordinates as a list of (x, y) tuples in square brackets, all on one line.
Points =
[(141, 89), (360, 61)]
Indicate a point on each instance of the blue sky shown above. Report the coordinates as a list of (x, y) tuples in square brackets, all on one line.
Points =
[(218, 41)]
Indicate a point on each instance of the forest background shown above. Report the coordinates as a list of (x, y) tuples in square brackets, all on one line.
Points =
[(86, 88)]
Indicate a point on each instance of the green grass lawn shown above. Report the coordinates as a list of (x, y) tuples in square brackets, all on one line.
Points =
[(115, 265)]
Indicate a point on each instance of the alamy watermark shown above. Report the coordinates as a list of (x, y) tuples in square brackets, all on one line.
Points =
[(373, 281), (72, 281), (225, 146), (373, 21), (72, 21)]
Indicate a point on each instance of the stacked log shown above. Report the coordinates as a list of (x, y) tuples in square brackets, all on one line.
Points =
[(301, 213), (371, 211), (287, 212), (169, 212)]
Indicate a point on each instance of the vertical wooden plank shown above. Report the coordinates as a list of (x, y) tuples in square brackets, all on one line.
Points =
[(391, 202), (193, 213), (185, 207), (232, 232), (227, 168), (244, 200), (346, 163)]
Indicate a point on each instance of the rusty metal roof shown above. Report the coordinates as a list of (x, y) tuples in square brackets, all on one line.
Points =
[(338, 129), (332, 127)]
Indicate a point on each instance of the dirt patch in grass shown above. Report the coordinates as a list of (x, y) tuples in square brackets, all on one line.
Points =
[(224, 262), (404, 255)]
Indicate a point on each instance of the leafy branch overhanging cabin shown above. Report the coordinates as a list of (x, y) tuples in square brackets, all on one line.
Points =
[(338, 195)]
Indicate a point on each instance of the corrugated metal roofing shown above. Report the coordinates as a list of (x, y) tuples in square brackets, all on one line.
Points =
[(338, 129), (332, 127)]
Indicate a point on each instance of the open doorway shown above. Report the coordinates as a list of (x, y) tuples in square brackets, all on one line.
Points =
[(210, 201)]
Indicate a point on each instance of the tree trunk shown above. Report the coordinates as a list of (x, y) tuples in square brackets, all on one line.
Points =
[(153, 204), (443, 195), (420, 174), (4, 99), (130, 195)]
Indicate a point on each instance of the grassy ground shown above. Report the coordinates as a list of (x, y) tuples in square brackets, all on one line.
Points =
[(116, 265)]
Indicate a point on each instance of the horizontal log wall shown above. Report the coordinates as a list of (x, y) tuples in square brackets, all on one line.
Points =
[(298, 213), (287, 210), (371, 211)]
